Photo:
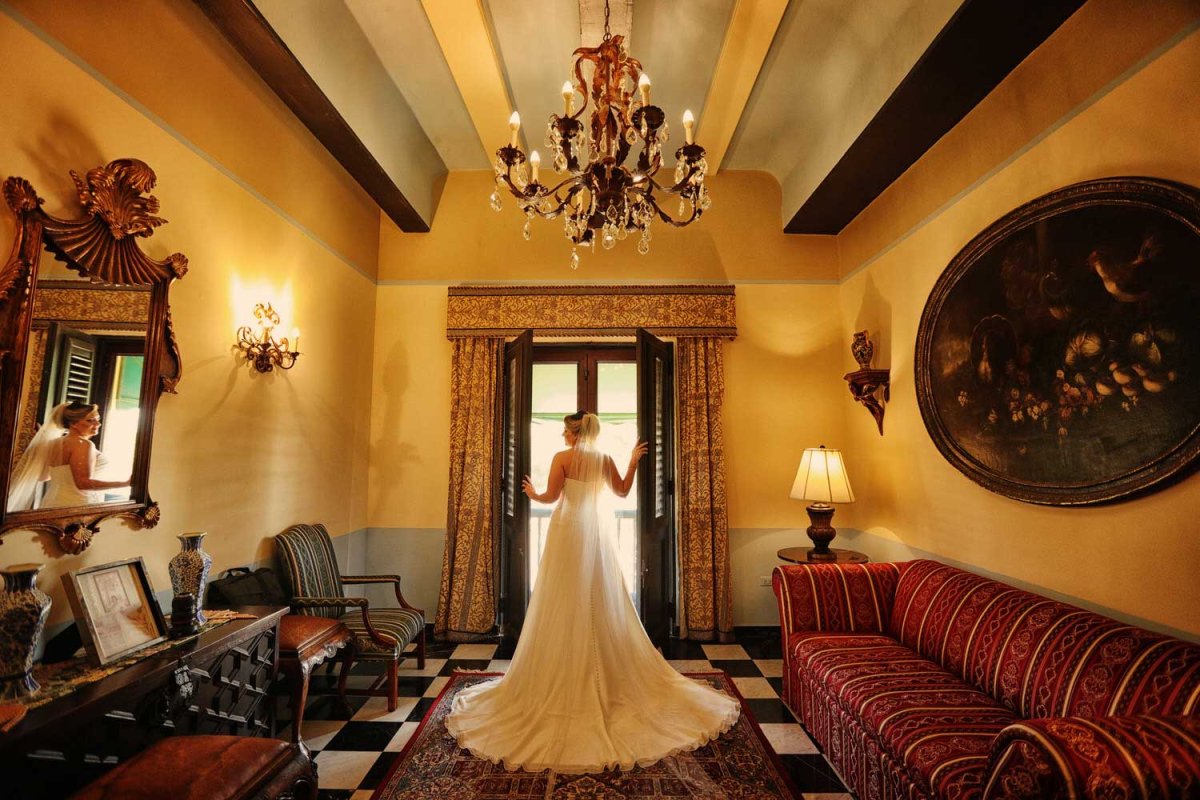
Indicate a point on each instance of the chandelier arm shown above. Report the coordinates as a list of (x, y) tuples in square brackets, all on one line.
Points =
[(678, 187), (667, 218), (541, 193)]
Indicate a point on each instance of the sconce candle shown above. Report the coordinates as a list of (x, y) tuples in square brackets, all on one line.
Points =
[(262, 350)]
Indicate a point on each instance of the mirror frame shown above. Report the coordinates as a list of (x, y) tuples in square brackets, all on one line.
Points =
[(100, 245)]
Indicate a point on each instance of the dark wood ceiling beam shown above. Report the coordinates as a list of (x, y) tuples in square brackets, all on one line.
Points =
[(256, 41), (982, 43)]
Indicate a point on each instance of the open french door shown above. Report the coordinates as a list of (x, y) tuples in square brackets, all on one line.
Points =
[(656, 486), (514, 505)]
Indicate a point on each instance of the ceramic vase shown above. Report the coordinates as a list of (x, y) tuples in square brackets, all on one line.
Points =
[(23, 612), (189, 570), (863, 349)]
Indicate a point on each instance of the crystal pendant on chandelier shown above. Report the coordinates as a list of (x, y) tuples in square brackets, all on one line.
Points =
[(601, 196)]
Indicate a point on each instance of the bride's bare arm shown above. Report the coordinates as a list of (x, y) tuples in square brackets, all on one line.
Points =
[(621, 485), (554, 485), (82, 458)]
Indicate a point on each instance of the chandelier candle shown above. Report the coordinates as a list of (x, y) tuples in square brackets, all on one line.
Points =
[(599, 195)]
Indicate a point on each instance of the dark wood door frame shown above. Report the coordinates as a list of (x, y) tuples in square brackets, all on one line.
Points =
[(511, 556), (656, 488)]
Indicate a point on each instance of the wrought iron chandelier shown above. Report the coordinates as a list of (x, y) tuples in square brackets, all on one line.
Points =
[(601, 198)]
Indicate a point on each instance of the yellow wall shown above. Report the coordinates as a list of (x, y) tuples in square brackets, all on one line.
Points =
[(170, 60), (358, 434), (1062, 116), (779, 395), (1138, 557), (239, 455), (740, 238)]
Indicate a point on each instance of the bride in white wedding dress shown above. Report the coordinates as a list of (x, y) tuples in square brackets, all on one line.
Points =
[(586, 690)]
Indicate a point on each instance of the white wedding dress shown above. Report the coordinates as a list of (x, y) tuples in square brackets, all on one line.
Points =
[(61, 491), (586, 690)]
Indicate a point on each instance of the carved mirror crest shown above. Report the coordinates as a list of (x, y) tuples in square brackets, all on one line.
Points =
[(86, 349)]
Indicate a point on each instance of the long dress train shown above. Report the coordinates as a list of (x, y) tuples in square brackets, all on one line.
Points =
[(586, 690)]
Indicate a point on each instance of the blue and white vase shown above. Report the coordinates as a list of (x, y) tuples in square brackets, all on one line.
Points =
[(189, 570), (23, 612)]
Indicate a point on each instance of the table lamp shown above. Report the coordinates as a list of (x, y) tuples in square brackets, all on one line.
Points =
[(822, 480)]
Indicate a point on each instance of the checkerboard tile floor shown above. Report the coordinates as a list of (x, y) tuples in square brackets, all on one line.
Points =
[(355, 747)]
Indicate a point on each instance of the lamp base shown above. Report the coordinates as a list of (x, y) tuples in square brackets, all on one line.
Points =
[(821, 532)]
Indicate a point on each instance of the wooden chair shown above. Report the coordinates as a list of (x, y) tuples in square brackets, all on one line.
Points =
[(380, 634)]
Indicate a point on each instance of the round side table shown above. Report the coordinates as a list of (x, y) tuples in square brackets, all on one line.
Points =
[(799, 555)]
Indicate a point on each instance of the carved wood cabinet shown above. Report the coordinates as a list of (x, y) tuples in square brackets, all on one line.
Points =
[(218, 683)]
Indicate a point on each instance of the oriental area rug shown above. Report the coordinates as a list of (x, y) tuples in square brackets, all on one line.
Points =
[(740, 764)]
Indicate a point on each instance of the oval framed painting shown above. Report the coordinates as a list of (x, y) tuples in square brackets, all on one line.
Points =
[(1058, 355)]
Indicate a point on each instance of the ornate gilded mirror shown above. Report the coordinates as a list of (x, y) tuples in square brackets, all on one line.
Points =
[(86, 349)]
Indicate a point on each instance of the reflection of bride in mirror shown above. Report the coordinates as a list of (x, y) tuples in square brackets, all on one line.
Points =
[(63, 456)]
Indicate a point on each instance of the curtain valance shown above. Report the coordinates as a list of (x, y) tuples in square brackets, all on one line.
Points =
[(679, 311)]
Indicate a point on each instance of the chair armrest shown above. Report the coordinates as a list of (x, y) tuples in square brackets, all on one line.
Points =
[(834, 598), (325, 602), (1060, 757), (380, 638), (393, 579)]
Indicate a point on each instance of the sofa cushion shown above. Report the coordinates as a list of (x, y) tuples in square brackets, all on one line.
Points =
[(1039, 657), (940, 728)]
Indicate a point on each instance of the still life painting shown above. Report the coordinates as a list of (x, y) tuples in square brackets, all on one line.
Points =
[(1058, 356)]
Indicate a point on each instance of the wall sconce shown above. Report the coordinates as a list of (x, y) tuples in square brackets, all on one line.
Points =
[(866, 383), (263, 351)]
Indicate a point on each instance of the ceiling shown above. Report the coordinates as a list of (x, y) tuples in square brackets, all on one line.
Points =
[(834, 98)]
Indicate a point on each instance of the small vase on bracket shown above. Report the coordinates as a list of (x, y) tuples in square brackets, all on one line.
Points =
[(189, 570), (23, 612)]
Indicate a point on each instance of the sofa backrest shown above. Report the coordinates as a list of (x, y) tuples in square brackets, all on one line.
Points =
[(836, 598), (1039, 657)]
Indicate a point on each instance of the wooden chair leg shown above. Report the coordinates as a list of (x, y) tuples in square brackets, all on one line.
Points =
[(347, 660), (393, 690), (299, 701), (421, 649)]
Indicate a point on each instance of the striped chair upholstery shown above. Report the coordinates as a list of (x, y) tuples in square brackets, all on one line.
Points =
[(922, 680), (311, 566), (401, 624), (318, 588)]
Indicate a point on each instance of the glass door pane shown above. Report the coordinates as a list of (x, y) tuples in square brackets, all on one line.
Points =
[(555, 395), (616, 405)]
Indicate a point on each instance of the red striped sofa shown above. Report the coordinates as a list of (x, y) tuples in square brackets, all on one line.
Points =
[(921, 680)]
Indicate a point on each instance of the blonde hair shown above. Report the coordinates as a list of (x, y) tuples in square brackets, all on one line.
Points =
[(586, 427), (70, 413)]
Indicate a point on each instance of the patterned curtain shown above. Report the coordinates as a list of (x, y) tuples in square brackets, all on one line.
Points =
[(466, 602), (706, 592)]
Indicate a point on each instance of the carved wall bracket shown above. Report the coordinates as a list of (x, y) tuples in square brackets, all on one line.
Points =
[(867, 385)]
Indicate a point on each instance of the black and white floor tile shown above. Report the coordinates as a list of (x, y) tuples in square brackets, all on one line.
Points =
[(355, 747)]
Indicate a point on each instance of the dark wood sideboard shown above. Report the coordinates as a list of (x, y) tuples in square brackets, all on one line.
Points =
[(217, 683)]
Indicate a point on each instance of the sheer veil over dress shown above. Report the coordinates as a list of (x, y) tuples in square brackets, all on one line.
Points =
[(586, 691)]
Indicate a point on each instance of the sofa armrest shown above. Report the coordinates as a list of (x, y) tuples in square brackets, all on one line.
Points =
[(835, 598), (1063, 757)]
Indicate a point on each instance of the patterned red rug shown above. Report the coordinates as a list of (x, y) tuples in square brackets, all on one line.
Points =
[(740, 764)]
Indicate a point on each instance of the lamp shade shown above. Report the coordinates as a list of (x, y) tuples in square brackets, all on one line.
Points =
[(822, 477)]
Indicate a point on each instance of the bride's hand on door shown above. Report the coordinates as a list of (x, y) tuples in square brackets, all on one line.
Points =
[(638, 451)]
